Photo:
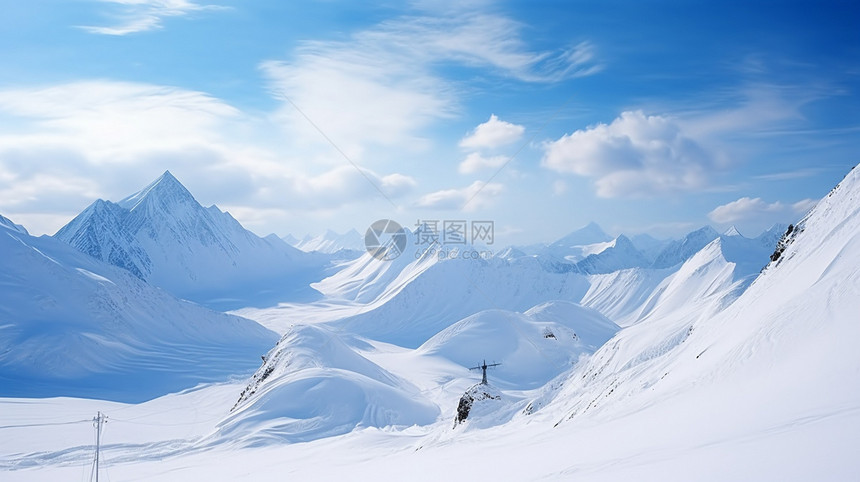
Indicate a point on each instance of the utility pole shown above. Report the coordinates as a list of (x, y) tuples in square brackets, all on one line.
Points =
[(99, 420), (483, 368)]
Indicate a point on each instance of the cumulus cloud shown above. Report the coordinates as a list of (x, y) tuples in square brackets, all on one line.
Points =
[(755, 209), (142, 15), (492, 134), (473, 197), (475, 162), (634, 156)]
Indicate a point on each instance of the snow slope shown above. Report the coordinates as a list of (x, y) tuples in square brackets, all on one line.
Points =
[(432, 295), (780, 357), (164, 236), (71, 325), (313, 385)]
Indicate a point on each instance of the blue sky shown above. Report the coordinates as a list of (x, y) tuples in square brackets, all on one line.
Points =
[(655, 117)]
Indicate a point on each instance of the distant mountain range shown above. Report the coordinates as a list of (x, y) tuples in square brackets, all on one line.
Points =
[(351, 243)]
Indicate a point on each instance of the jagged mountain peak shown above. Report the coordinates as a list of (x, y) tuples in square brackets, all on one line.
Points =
[(703, 231), (679, 251), (732, 231), (165, 237), (166, 189)]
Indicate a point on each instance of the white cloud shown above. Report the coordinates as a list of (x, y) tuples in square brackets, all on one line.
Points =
[(492, 134), (382, 86), (748, 209), (475, 162), (113, 121), (142, 15), (64, 146), (470, 198), (634, 156), (346, 184), (356, 102)]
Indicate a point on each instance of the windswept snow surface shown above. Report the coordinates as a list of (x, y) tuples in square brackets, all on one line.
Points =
[(71, 325)]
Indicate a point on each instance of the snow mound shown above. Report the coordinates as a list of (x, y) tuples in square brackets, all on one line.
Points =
[(533, 348), (313, 385)]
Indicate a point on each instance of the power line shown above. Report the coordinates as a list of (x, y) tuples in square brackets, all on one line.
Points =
[(98, 422)]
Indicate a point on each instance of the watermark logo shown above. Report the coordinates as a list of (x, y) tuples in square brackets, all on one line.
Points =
[(385, 239)]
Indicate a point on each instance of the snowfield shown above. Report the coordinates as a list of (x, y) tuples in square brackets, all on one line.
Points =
[(696, 359)]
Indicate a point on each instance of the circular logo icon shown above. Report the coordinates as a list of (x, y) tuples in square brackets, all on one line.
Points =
[(385, 239)]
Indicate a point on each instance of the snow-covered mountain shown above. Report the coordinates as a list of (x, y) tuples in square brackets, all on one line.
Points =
[(649, 246), (760, 377), (576, 246), (71, 325), (678, 251), (591, 233), (728, 373), (619, 254), (331, 242), (161, 234), (771, 236)]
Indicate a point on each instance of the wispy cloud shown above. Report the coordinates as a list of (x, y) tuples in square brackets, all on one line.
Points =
[(480, 194), (788, 175), (386, 84), (141, 15), (748, 209)]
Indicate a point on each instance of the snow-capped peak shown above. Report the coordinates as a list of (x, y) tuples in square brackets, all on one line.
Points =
[(681, 250), (166, 189), (732, 231), (164, 236)]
